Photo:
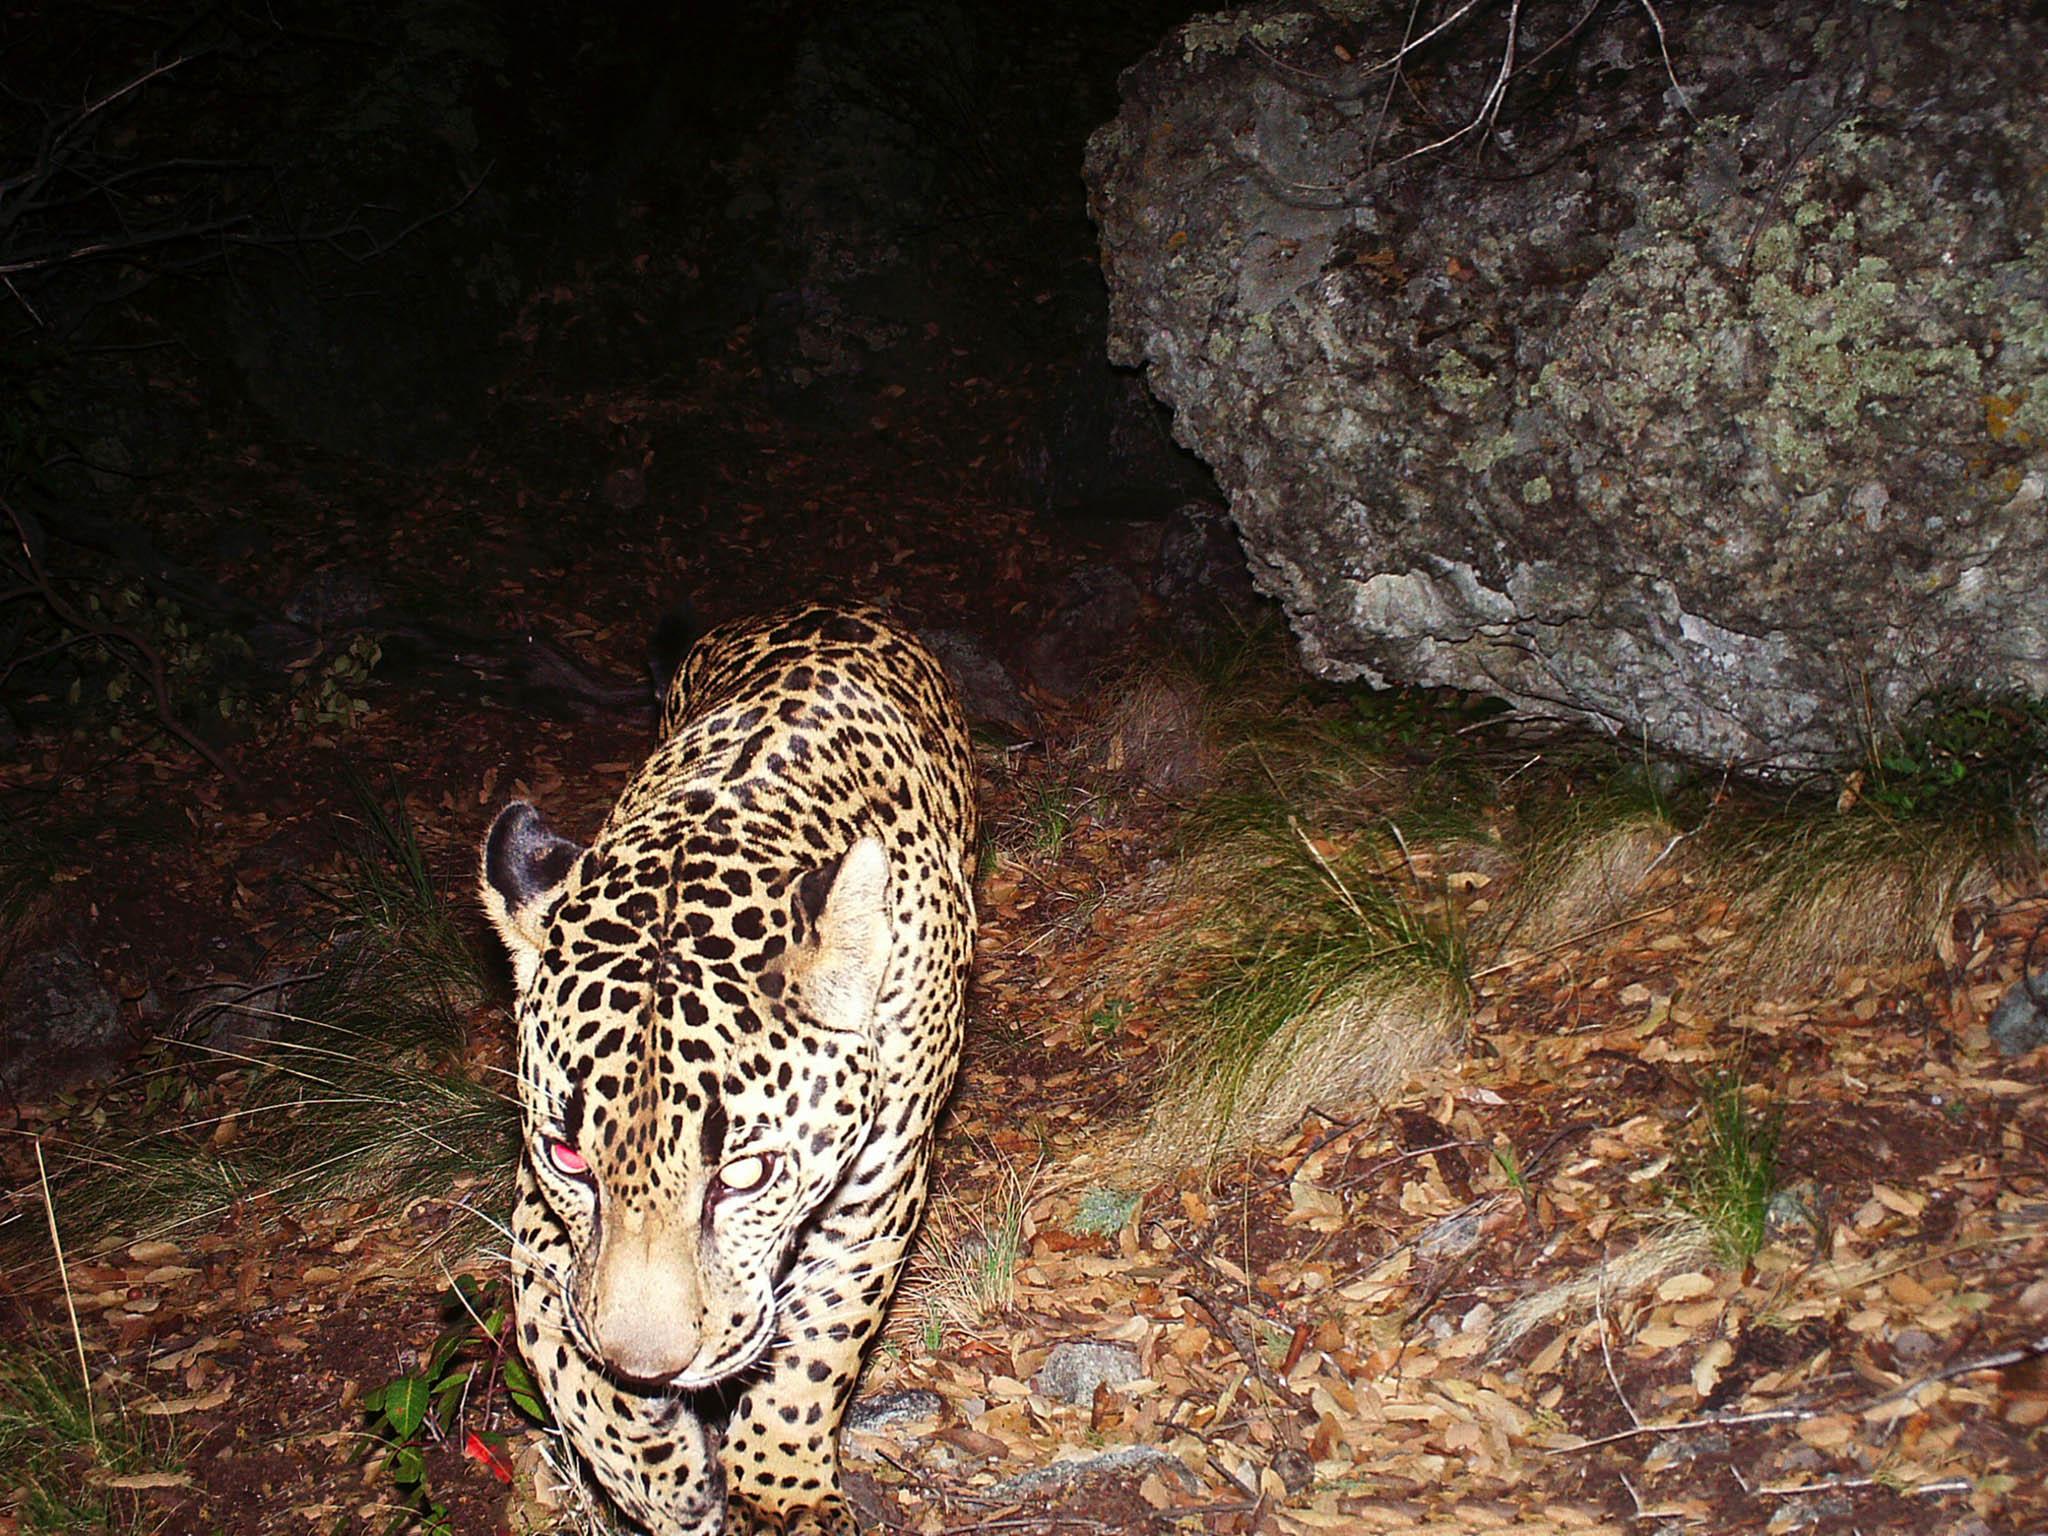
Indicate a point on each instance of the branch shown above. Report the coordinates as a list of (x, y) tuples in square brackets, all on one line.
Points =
[(150, 665), (1999, 1361)]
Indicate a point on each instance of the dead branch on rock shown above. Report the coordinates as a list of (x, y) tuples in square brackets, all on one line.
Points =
[(1352, 85)]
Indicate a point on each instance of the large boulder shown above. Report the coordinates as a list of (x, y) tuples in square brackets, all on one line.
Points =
[(1708, 402)]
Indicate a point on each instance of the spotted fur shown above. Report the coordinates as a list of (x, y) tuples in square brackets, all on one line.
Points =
[(739, 1015)]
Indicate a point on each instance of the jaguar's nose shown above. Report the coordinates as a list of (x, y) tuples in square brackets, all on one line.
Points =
[(647, 1307)]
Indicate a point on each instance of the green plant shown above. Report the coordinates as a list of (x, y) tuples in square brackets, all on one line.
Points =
[(1045, 818), (1961, 754), (1104, 1212), (454, 1397), (1731, 1172), (68, 1468), (1107, 1020), (1509, 1162), (327, 697)]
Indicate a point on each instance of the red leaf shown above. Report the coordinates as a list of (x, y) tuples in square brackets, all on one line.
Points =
[(475, 1449)]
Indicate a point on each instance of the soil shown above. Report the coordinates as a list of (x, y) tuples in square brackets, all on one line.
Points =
[(1315, 1323)]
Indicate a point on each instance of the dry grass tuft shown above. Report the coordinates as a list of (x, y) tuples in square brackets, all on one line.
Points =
[(1158, 729), (1681, 1244), (1322, 978), (1356, 1044), (1584, 875), (1818, 892), (963, 1271)]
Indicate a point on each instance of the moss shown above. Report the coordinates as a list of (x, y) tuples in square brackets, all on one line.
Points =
[(1537, 491), (1838, 351), (2025, 336), (1481, 456)]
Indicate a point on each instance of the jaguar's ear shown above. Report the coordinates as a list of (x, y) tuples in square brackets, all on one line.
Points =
[(524, 865), (847, 908)]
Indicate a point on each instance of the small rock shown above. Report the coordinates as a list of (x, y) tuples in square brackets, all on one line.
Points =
[(987, 691), (62, 1024), (625, 488), (887, 1410), (1680, 1449), (1097, 613), (1452, 1237), (1073, 1370), (1913, 1345), (2020, 1022), (334, 600), (1793, 1215), (1296, 1471)]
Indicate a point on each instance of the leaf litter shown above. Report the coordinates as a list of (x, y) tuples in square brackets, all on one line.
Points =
[(1475, 1304)]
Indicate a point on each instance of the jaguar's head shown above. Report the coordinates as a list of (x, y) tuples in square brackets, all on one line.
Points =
[(697, 1065)]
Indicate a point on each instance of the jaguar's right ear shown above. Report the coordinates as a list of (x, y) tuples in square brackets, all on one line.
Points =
[(524, 865)]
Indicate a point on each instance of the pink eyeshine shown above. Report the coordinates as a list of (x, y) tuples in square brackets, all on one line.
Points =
[(567, 1159)]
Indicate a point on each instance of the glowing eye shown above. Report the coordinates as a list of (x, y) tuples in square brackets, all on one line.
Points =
[(568, 1160), (746, 1173)]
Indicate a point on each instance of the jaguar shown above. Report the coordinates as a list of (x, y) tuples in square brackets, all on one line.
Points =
[(739, 1014)]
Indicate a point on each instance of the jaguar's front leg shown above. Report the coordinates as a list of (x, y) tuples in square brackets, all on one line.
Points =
[(781, 1447)]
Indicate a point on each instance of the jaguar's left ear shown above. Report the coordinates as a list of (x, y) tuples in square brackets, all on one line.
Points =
[(524, 864), (847, 906)]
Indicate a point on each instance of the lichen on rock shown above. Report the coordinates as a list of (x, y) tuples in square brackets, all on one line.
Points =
[(1705, 413)]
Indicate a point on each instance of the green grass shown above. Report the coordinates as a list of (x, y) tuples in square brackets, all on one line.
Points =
[(61, 1463), (1043, 819), (963, 1270), (1310, 959), (1731, 1172)]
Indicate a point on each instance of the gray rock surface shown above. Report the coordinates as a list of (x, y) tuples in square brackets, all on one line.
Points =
[(2020, 1022), (1715, 413), (59, 1023), (890, 1410), (1124, 1460), (1074, 1369), (1096, 609), (987, 691)]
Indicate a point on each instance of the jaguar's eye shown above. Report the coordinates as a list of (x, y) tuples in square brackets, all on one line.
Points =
[(747, 1173), (568, 1160)]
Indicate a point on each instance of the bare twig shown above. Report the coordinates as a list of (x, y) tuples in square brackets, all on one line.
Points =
[(64, 1274), (146, 662), (2029, 1351), (1223, 1318)]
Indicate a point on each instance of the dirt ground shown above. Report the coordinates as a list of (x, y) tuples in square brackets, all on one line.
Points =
[(1319, 1328)]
